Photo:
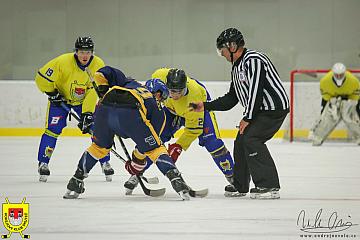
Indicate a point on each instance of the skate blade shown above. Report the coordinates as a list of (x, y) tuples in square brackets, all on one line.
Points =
[(108, 178), (234, 194), (128, 191), (269, 195), (68, 195), (184, 195), (43, 178)]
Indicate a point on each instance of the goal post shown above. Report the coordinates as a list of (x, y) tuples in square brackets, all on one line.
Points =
[(305, 101)]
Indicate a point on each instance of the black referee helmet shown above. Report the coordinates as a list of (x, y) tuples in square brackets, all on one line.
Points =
[(228, 36)]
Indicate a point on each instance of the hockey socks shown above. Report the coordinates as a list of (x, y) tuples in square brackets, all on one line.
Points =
[(224, 161), (86, 163), (47, 146), (165, 163)]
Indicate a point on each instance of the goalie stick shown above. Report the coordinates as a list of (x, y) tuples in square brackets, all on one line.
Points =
[(154, 180)]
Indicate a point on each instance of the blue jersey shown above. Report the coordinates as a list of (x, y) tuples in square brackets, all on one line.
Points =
[(126, 92), (129, 109)]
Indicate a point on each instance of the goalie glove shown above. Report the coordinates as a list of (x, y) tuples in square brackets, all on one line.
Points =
[(55, 98), (174, 151), (86, 122)]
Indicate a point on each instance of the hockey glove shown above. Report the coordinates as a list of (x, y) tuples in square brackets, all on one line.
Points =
[(86, 122), (178, 122), (174, 151), (55, 98), (135, 167)]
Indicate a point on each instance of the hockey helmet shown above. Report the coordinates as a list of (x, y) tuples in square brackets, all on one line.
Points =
[(339, 70), (230, 35), (156, 85), (84, 43), (176, 79)]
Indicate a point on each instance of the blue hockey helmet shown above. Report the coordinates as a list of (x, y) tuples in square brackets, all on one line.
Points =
[(156, 85)]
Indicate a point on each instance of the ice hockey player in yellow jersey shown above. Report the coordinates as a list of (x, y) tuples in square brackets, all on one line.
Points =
[(340, 95), (203, 126), (65, 81)]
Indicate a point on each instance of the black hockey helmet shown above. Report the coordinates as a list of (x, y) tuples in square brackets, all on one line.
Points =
[(84, 43), (228, 36), (176, 79)]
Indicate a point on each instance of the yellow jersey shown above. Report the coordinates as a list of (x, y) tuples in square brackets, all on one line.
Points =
[(194, 121), (65, 74), (349, 89)]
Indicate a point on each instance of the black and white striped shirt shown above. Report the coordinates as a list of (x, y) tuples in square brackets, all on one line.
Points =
[(256, 84)]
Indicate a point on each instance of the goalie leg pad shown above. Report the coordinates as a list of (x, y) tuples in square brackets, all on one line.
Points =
[(350, 117), (326, 123)]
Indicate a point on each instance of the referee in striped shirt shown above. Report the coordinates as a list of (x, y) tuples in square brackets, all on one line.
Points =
[(256, 84)]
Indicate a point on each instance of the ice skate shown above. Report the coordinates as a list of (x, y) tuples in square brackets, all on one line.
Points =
[(131, 184), (317, 142), (264, 193), (75, 187), (43, 171), (230, 178), (108, 171), (178, 183), (231, 191)]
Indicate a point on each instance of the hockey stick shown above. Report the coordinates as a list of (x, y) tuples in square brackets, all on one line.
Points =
[(97, 92), (192, 193), (153, 180), (149, 192)]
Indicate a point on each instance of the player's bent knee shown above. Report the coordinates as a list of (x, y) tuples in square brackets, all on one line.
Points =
[(97, 152), (138, 156), (154, 154)]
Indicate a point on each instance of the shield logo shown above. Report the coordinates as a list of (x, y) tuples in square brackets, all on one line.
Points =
[(15, 217), (78, 91), (225, 165)]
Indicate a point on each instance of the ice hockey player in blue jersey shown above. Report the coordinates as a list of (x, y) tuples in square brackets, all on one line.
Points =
[(127, 109)]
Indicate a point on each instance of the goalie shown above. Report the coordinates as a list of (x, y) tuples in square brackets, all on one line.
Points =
[(340, 96)]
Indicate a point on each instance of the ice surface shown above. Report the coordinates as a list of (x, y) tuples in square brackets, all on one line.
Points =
[(312, 178)]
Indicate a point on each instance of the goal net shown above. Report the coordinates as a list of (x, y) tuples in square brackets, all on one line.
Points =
[(305, 104)]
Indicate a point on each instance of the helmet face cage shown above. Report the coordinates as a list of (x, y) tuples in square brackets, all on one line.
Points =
[(84, 43), (339, 70)]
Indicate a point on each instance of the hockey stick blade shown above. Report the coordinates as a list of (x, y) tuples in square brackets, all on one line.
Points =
[(151, 180), (199, 193), (151, 192)]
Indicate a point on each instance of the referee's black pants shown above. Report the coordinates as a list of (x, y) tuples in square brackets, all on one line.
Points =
[(251, 155)]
